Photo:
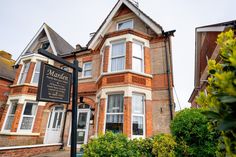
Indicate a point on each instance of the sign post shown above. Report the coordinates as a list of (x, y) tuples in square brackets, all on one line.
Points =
[(54, 95)]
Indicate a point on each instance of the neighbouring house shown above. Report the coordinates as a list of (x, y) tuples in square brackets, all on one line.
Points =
[(125, 87), (206, 48), (7, 74)]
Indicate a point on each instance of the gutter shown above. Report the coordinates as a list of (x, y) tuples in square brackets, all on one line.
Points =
[(167, 35)]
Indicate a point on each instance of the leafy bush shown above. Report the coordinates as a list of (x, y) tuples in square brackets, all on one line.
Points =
[(190, 128), (221, 92), (143, 146), (164, 146)]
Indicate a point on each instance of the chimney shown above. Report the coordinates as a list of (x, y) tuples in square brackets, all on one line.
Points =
[(5, 55)]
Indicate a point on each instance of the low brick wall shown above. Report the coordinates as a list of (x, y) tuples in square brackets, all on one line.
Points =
[(27, 151)]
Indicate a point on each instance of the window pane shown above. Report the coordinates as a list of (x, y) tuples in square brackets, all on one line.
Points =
[(87, 65), (82, 120), (9, 122), (137, 125), (55, 120), (36, 78), (115, 103), (118, 49), (80, 137), (137, 64), (114, 123), (137, 50), (117, 64), (23, 77), (87, 73), (30, 109), (125, 25), (13, 108), (37, 68), (26, 123), (59, 120), (24, 72), (137, 104)]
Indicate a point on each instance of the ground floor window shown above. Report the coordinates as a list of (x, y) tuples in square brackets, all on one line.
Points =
[(114, 114), (28, 116), (138, 116), (11, 115)]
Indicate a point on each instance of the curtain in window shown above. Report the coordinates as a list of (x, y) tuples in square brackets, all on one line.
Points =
[(36, 72), (118, 56)]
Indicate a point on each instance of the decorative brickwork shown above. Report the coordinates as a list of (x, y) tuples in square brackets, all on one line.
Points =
[(115, 79)]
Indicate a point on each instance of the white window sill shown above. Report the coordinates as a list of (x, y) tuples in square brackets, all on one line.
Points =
[(84, 78), (18, 133), (25, 84)]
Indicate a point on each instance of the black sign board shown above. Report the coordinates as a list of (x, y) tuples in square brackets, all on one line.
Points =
[(54, 84)]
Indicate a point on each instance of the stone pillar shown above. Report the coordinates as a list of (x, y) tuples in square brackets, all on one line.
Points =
[(17, 117), (128, 57), (30, 72), (127, 116), (106, 59), (147, 60)]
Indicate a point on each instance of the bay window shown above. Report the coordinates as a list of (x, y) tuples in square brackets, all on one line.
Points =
[(87, 69), (24, 72), (114, 114), (11, 115), (28, 116), (138, 117), (118, 56), (36, 72), (137, 61)]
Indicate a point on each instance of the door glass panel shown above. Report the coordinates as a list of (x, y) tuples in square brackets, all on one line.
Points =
[(59, 120), (82, 120), (80, 137), (55, 120)]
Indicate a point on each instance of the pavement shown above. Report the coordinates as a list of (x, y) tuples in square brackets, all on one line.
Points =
[(61, 153)]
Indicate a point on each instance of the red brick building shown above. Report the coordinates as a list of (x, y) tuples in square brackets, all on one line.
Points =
[(126, 83), (206, 48)]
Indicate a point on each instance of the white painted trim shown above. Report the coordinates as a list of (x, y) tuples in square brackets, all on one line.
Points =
[(30, 146), (50, 40), (19, 134), (127, 90), (82, 76), (211, 29)]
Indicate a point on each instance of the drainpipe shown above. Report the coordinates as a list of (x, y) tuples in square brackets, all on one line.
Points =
[(63, 129), (167, 35)]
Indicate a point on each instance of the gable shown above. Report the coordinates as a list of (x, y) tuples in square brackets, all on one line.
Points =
[(120, 10)]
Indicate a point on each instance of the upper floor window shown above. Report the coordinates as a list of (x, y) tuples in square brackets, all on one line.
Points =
[(24, 72), (114, 115), (118, 56), (45, 45), (137, 61), (11, 115), (28, 116), (87, 69), (138, 118), (125, 25), (36, 72)]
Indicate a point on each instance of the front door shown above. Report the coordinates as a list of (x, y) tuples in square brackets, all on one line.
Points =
[(53, 131), (83, 126)]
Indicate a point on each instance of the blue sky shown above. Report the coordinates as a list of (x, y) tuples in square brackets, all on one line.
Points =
[(75, 19)]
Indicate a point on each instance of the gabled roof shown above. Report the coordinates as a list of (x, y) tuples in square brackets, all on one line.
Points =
[(146, 19), (58, 44)]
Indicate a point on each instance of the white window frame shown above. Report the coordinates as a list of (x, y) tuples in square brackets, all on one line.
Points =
[(142, 56), (110, 55), (139, 115), (22, 69), (5, 120), (83, 72), (124, 21), (35, 71), (105, 119), (21, 118)]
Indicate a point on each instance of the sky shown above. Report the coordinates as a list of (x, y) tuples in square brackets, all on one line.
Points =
[(74, 20)]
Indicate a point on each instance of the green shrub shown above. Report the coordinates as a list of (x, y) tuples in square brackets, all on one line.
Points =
[(190, 128), (164, 146), (143, 146), (110, 144)]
